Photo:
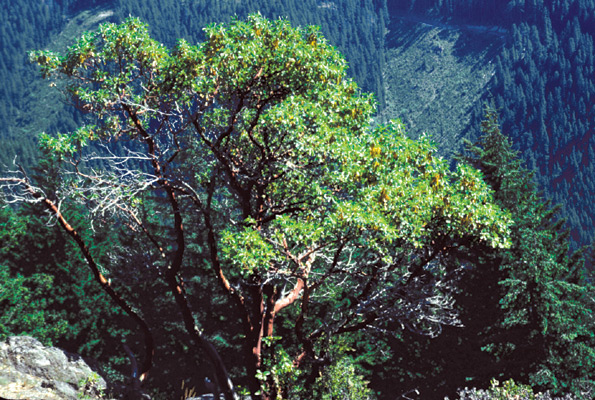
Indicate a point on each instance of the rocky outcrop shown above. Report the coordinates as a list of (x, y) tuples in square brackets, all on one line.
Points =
[(29, 370)]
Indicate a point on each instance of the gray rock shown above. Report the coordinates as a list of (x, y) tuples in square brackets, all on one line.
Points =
[(211, 396), (29, 370)]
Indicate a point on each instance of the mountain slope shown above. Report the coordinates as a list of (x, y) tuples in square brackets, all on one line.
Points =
[(436, 75), (543, 86)]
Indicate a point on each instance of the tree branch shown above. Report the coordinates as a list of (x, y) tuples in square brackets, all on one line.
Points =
[(105, 283)]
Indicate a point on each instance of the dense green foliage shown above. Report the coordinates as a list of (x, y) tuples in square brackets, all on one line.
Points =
[(46, 291), (256, 148), (546, 307), (527, 310), (543, 87), (299, 195), (25, 309), (356, 28)]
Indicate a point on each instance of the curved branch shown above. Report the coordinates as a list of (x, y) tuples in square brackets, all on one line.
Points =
[(105, 283), (291, 297), (225, 284)]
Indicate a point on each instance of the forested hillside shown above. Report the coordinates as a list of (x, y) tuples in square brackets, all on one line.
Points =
[(544, 88), (26, 25), (437, 73), (543, 85)]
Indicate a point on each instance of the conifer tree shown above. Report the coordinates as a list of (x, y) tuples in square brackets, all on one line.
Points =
[(543, 335), (526, 311)]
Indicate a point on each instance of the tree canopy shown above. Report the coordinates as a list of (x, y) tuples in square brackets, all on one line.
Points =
[(254, 152)]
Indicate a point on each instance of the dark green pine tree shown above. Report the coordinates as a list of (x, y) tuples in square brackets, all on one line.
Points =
[(458, 357), (25, 298), (47, 291), (526, 311), (543, 335)]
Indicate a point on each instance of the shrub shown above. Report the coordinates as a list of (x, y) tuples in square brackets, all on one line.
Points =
[(510, 390)]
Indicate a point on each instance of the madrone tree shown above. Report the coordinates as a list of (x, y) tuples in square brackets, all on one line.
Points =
[(265, 155)]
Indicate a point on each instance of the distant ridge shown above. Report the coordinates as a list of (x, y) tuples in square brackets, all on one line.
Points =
[(436, 75)]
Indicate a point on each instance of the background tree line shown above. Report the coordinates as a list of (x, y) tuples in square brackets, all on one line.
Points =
[(543, 86)]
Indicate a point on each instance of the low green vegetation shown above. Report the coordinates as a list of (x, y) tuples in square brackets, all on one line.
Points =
[(505, 391)]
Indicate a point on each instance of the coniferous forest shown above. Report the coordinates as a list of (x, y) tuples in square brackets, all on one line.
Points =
[(202, 188), (543, 88)]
